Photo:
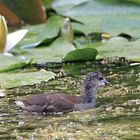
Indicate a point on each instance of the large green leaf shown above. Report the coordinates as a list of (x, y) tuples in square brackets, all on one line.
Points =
[(104, 16), (43, 33), (64, 5), (12, 62), (9, 80), (116, 46), (99, 16), (133, 1), (86, 54), (119, 47)]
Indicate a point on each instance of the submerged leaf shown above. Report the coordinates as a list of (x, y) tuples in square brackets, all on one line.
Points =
[(81, 55)]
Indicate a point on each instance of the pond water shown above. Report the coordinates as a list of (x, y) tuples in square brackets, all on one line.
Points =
[(117, 113)]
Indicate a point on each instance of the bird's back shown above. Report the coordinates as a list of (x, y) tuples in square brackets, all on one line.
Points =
[(49, 102)]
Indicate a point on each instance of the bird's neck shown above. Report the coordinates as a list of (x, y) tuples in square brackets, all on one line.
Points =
[(88, 98), (89, 93)]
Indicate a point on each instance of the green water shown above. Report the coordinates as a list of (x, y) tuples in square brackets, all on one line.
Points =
[(116, 117)]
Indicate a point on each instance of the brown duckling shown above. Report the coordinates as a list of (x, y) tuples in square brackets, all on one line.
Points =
[(55, 102)]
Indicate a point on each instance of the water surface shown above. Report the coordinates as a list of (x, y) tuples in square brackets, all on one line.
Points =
[(116, 116)]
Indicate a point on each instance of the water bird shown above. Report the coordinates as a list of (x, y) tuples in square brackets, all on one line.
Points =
[(60, 102)]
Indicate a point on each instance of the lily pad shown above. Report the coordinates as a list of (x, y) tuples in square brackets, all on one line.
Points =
[(10, 80), (43, 33), (81, 55), (11, 62), (15, 66), (119, 47), (55, 52), (104, 16), (64, 5)]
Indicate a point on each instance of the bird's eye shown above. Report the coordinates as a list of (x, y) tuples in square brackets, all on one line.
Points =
[(101, 78)]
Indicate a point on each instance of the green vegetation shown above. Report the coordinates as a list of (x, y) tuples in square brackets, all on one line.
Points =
[(105, 38)]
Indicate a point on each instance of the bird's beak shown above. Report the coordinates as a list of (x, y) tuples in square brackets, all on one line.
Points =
[(107, 83)]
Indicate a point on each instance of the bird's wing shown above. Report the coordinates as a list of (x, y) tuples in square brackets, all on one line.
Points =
[(58, 103)]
